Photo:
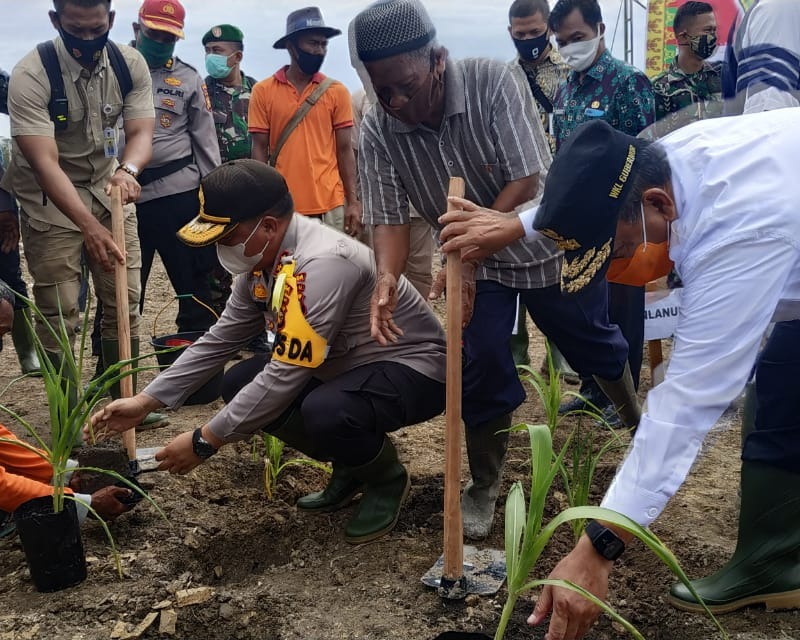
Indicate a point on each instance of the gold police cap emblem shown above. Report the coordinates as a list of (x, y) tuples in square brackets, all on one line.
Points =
[(168, 9)]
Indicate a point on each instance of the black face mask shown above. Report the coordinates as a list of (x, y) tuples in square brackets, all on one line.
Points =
[(309, 63), (84, 51), (703, 46), (531, 48)]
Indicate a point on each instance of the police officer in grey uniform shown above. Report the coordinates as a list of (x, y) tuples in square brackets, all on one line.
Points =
[(328, 389), (185, 148)]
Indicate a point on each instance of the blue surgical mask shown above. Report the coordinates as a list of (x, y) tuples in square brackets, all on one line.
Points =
[(217, 65)]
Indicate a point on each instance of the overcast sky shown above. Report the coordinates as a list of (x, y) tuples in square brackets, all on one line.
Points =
[(465, 27)]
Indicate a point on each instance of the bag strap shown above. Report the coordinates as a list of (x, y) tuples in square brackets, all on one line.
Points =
[(120, 67), (297, 118), (58, 105), (541, 98)]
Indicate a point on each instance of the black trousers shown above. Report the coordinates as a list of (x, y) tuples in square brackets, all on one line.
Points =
[(578, 325), (626, 310), (188, 268), (776, 437), (348, 416)]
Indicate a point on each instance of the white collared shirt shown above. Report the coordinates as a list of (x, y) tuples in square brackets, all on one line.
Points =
[(736, 246)]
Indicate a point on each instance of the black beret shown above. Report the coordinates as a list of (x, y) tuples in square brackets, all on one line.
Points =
[(586, 187)]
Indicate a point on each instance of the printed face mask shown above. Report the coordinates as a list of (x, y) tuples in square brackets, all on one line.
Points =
[(581, 55), (234, 260), (531, 48), (650, 261), (217, 65), (703, 46), (84, 51)]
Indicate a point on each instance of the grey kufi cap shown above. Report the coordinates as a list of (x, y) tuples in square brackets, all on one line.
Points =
[(390, 27)]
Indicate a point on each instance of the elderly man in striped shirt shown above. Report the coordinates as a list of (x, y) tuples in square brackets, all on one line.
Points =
[(440, 118)]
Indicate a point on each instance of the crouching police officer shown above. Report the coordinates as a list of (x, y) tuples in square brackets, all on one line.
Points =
[(328, 389)]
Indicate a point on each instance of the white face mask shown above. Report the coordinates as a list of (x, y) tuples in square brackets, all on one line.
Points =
[(581, 55), (234, 260)]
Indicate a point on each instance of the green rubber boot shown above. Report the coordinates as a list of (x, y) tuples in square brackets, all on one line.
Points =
[(110, 355), (561, 365), (386, 486), (765, 568), (519, 340), (486, 452), (342, 487), (21, 332)]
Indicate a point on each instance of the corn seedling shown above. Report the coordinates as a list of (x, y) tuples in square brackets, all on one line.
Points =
[(70, 405), (586, 444), (526, 536), (274, 465)]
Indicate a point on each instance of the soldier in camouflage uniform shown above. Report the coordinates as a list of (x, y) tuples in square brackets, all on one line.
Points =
[(229, 89), (691, 89)]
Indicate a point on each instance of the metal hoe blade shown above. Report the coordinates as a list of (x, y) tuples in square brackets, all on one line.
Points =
[(484, 574)]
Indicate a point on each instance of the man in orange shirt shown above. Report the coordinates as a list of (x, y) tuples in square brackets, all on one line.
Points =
[(317, 158)]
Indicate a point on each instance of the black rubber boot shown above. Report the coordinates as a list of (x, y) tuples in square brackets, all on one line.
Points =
[(386, 486), (21, 335), (622, 393), (486, 451), (110, 356), (590, 397), (765, 568)]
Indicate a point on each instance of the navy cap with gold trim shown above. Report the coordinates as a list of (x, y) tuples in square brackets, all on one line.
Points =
[(585, 190), (236, 191)]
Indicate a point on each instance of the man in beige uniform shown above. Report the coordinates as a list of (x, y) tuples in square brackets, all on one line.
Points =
[(62, 177), (328, 390)]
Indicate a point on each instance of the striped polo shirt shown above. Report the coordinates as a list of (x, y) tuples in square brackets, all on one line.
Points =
[(486, 137)]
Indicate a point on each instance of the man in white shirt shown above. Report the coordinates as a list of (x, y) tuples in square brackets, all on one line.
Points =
[(718, 199)]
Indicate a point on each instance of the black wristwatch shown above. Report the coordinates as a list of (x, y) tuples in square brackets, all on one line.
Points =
[(607, 543), (202, 448)]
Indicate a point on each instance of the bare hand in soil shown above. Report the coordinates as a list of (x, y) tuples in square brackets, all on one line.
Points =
[(467, 289), (384, 302), (106, 502), (119, 416), (178, 456), (572, 614)]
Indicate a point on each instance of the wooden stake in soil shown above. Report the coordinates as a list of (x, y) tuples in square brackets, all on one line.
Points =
[(656, 357), (453, 574), (123, 311)]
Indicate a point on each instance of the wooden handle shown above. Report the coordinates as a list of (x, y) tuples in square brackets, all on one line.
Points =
[(123, 311), (656, 357), (453, 528)]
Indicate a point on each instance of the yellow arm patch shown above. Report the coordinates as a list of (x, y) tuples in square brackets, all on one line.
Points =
[(296, 342)]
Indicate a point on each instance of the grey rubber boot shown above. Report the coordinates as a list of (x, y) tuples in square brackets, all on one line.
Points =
[(486, 451), (386, 486), (23, 343), (110, 356), (765, 568), (623, 394), (342, 486)]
